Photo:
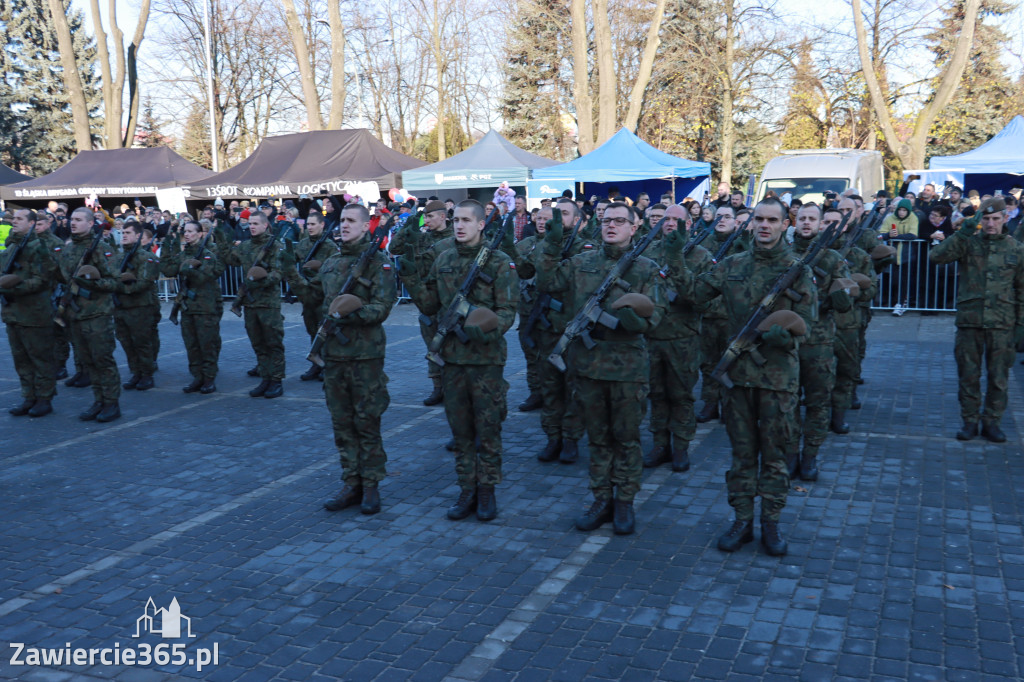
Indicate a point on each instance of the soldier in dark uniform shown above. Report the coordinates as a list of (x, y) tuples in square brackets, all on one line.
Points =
[(524, 250), (760, 408), (311, 297), (474, 388), (27, 312), (610, 378), (133, 316), (989, 315), (61, 335)]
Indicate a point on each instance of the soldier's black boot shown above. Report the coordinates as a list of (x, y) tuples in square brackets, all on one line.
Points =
[(437, 395), (41, 409), (79, 380), (450, 445), (109, 413), (371, 500), (600, 513), (23, 409), (62, 373), (487, 504), (464, 506), (194, 386), (991, 431), (570, 451), (131, 383), (658, 454), (551, 450), (772, 539), (855, 401), (680, 456), (623, 518), (91, 413), (809, 463), (258, 391), (254, 372), (145, 383), (208, 387), (349, 496), (838, 424), (739, 534), (274, 390), (531, 403), (859, 381), (792, 464), (708, 412), (968, 432), (311, 374)]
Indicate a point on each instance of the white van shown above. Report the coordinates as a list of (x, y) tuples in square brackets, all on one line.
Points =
[(808, 173)]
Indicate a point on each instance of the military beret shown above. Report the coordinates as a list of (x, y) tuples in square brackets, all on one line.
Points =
[(862, 280), (434, 205), (344, 305), (993, 205), (128, 277), (9, 281), (786, 319), (641, 305), (313, 265), (846, 284), (484, 318), (256, 273), (882, 251), (88, 272)]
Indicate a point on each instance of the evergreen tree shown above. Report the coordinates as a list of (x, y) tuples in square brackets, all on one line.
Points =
[(802, 124), (148, 134), (456, 140), (195, 141)]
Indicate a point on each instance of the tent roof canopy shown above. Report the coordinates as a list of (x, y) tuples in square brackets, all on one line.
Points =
[(624, 157), (121, 173), (9, 175), (489, 162), (317, 162), (1004, 153)]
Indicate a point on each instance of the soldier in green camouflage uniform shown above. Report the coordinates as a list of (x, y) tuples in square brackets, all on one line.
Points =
[(989, 315), (355, 385), (61, 335), (817, 350), (419, 245), (760, 407), (133, 316), (199, 275), (91, 316), (610, 378), (311, 297), (474, 388), (264, 323), (524, 250), (867, 241), (674, 349), (28, 314)]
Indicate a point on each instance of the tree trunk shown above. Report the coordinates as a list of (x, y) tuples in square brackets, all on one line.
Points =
[(439, 66), (636, 97), (581, 78), (337, 65), (133, 90), (607, 114), (72, 79), (103, 53), (306, 76), (116, 111), (728, 94)]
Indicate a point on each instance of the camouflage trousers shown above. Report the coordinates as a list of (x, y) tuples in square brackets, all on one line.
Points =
[(995, 348), (94, 346), (560, 411), (135, 330), (714, 339), (612, 412), (817, 379), (847, 350), (862, 336), (62, 345), (534, 359), (265, 327), (474, 403), (433, 370), (357, 396), (32, 350), (155, 327), (311, 318), (675, 367), (201, 336), (759, 422)]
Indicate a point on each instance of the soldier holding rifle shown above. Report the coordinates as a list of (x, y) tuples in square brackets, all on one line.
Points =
[(311, 252)]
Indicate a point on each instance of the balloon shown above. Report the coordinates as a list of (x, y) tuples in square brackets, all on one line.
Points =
[(392, 193), (400, 196)]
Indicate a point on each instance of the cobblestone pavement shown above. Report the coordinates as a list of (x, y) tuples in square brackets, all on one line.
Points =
[(906, 559)]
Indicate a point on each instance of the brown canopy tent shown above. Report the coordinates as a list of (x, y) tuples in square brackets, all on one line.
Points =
[(9, 175), (314, 163), (117, 173)]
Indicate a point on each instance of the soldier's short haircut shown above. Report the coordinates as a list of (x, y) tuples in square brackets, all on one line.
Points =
[(621, 204), (571, 204), (364, 214), (857, 197), (772, 201), (259, 217), (147, 230), (476, 207), (198, 226), (132, 224), (811, 204), (313, 215), (87, 212), (31, 215), (726, 207), (657, 207)]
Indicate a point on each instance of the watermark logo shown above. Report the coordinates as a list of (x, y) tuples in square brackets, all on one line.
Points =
[(164, 622)]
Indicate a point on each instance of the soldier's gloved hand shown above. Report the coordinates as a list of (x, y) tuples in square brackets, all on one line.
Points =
[(630, 321), (478, 335), (674, 243), (288, 260), (409, 274), (554, 231), (970, 225), (508, 240), (778, 337), (840, 300), (884, 263)]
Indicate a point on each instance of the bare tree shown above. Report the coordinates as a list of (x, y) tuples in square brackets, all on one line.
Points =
[(114, 76), (72, 79), (310, 95), (636, 96)]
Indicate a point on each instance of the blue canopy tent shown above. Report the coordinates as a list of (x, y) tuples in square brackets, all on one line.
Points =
[(996, 165), (627, 163)]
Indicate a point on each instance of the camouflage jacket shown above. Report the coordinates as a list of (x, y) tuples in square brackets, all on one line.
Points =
[(54, 245), (28, 303), (831, 267), (266, 293), (301, 279), (142, 291), (422, 247), (618, 355), (441, 285), (527, 268), (991, 288), (202, 281), (682, 318), (95, 299), (857, 260), (365, 327), (526, 271), (715, 308), (742, 280)]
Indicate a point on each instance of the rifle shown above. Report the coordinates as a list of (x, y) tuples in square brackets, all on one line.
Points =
[(67, 297), (454, 316), (243, 291), (545, 302), (727, 244), (124, 266), (330, 326), (861, 228), (591, 313), (670, 294), (746, 340), (289, 295), (185, 293), (13, 263)]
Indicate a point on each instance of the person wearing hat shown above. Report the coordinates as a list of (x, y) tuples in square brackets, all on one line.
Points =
[(355, 386), (133, 314), (761, 407), (902, 226), (474, 388), (989, 316)]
